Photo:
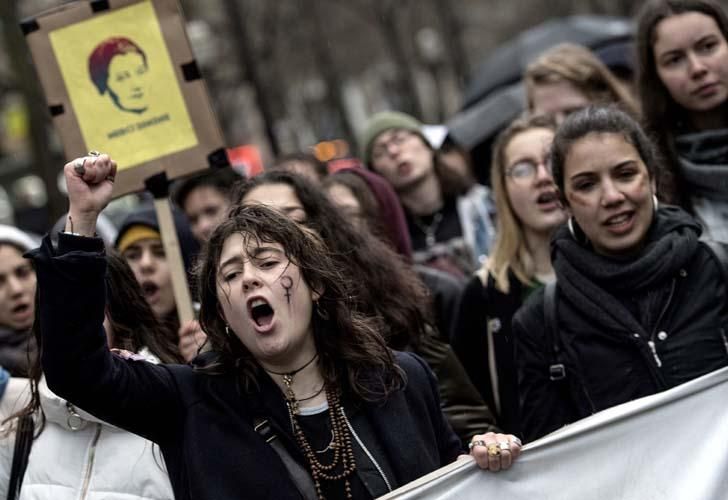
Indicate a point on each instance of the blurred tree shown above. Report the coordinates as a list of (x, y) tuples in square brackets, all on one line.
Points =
[(313, 12), (387, 16), (452, 31), (250, 61)]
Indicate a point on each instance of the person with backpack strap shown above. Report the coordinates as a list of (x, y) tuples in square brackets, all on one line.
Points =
[(529, 211), (639, 304)]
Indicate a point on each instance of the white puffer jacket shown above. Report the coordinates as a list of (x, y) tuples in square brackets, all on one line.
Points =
[(79, 457)]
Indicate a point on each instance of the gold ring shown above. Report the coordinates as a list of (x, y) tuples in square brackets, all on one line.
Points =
[(493, 450), (475, 443), (93, 152)]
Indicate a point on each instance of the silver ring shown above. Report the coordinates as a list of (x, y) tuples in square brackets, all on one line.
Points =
[(473, 444), (78, 166), (110, 178), (504, 445), (93, 152), (517, 441)]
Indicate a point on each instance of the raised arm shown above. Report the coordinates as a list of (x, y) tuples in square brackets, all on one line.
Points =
[(135, 395)]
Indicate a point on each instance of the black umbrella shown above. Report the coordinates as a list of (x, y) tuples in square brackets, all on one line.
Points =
[(506, 64), (484, 119)]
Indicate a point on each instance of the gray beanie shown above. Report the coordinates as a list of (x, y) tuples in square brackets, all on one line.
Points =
[(381, 122)]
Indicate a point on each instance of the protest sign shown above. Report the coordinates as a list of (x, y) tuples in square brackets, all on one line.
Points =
[(120, 77)]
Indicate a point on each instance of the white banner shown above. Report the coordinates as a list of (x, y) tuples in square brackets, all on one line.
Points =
[(670, 445)]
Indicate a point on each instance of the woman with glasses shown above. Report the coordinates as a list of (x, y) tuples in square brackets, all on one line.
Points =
[(529, 211), (639, 302)]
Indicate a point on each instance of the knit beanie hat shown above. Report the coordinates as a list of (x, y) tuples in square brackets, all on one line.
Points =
[(144, 222), (14, 236), (134, 233), (380, 123)]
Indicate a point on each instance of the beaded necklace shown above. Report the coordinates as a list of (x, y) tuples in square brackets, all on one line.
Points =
[(340, 445), (340, 435)]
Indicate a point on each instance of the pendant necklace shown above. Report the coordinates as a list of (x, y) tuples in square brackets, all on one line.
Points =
[(291, 400), (430, 229)]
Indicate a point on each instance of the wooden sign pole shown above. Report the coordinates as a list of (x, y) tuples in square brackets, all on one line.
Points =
[(158, 185)]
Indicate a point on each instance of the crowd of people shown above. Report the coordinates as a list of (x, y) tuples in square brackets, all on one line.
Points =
[(361, 328)]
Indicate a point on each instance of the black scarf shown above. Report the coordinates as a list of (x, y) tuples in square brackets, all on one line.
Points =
[(600, 287), (14, 348), (703, 159)]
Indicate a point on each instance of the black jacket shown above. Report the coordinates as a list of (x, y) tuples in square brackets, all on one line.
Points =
[(605, 367), (484, 320), (203, 423)]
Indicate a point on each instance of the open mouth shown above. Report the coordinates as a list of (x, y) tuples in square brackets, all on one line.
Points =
[(21, 309), (547, 197), (404, 168), (619, 219), (548, 200), (149, 289), (261, 312)]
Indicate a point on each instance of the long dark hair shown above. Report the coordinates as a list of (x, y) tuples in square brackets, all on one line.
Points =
[(662, 116), (350, 347), (386, 285), (370, 212), (131, 318)]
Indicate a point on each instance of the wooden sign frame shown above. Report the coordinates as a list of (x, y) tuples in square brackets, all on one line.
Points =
[(164, 124)]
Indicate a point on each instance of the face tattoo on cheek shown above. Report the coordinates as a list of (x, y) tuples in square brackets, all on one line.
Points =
[(287, 284)]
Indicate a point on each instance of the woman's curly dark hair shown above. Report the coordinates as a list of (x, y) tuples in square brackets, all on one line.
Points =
[(350, 347), (384, 285)]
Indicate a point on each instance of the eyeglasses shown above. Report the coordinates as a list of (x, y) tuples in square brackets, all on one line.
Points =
[(525, 170), (397, 138)]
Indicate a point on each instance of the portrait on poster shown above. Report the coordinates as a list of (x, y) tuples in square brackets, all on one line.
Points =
[(122, 85)]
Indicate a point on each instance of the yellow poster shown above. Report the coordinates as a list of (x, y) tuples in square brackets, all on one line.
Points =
[(122, 86)]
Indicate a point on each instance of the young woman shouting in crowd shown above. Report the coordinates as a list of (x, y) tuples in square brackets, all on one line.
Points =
[(386, 287), (290, 359), (683, 84), (639, 303), (529, 210)]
